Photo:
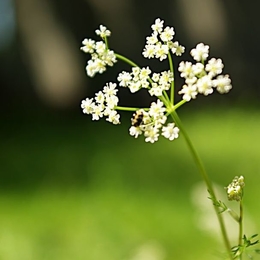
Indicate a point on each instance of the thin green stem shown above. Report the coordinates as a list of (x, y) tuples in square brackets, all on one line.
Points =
[(205, 178), (190, 145), (166, 96), (240, 239), (106, 42), (129, 108), (234, 215), (172, 84), (179, 104), (120, 57)]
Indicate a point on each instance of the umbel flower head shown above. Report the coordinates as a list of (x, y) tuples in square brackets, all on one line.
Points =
[(201, 77), (235, 189), (101, 56)]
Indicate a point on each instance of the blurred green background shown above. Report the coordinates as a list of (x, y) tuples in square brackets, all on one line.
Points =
[(71, 188)]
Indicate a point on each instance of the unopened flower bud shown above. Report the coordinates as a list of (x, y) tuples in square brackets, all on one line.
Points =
[(235, 189)]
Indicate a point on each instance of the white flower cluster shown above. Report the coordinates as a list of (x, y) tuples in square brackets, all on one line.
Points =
[(152, 122), (161, 82), (103, 104), (160, 42), (235, 188), (200, 78), (100, 55), (139, 78), (135, 80)]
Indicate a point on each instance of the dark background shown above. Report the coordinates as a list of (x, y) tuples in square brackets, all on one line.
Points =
[(40, 44)]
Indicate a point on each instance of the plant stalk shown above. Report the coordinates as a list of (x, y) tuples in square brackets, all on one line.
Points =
[(240, 225), (206, 179)]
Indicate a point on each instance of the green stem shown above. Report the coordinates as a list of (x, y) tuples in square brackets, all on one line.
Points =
[(192, 150), (233, 215), (205, 178), (172, 84), (179, 104), (129, 108), (106, 42), (120, 57), (240, 239)]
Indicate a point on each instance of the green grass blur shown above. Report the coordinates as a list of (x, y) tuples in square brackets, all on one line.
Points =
[(71, 189)]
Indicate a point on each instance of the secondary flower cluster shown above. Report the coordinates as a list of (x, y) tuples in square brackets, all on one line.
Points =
[(135, 80), (101, 56), (200, 78), (103, 105), (235, 189), (152, 122), (160, 42), (139, 78)]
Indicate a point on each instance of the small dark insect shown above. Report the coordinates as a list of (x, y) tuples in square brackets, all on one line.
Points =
[(137, 118)]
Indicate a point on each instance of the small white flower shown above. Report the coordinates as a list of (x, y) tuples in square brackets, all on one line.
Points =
[(177, 49), (160, 121), (112, 101), (157, 109), (146, 119), (191, 81), (110, 89), (124, 79), (223, 84), (161, 51), (134, 86), (144, 73), (158, 25), (109, 57), (113, 117), (135, 131), (189, 92), (156, 77), (166, 78), (103, 31), (136, 72), (156, 90), (89, 46), (151, 134), (144, 83), (167, 34), (100, 65), (214, 67), (170, 131), (87, 105), (97, 112), (91, 68), (204, 85), (100, 98), (100, 47), (153, 39), (200, 53), (107, 111), (197, 68), (186, 69), (149, 51)]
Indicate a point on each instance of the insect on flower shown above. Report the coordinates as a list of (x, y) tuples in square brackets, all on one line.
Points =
[(137, 118)]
